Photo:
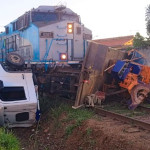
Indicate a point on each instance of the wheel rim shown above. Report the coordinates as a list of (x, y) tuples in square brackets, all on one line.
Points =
[(139, 93), (15, 58)]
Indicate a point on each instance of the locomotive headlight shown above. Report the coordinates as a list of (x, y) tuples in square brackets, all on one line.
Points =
[(70, 25), (70, 28), (63, 56)]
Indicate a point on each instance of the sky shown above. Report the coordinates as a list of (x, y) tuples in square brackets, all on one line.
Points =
[(106, 18)]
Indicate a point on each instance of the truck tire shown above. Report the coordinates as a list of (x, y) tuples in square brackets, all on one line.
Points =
[(138, 94), (14, 60)]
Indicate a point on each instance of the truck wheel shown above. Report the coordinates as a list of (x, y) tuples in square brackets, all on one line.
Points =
[(138, 94), (14, 60)]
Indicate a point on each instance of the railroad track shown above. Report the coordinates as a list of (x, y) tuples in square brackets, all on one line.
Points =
[(143, 108), (125, 119)]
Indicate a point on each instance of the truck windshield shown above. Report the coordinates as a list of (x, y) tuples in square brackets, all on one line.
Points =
[(12, 94)]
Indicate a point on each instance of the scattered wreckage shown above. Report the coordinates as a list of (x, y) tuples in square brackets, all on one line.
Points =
[(135, 78), (103, 69), (107, 71)]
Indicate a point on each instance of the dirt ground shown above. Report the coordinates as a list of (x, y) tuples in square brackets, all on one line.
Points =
[(100, 133)]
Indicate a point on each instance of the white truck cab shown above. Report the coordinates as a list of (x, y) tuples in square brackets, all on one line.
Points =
[(18, 98)]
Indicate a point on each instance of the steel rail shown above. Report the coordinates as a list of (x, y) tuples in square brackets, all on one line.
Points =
[(122, 118), (143, 108)]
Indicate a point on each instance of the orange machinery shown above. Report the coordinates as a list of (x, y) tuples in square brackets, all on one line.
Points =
[(135, 78)]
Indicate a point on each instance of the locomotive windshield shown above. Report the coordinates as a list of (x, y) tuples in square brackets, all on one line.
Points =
[(53, 16), (44, 16)]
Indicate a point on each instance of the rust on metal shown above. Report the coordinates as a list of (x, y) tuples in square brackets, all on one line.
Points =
[(96, 61)]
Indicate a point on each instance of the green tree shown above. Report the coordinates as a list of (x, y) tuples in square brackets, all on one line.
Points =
[(140, 42), (148, 20)]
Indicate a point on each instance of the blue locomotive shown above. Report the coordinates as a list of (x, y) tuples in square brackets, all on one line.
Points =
[(50, 39), (46, 34)]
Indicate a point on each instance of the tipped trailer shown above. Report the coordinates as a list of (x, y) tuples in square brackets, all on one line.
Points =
[(107, 72), (96, 81), (93, 78)]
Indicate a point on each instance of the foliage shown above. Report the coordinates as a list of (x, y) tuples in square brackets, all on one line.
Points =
[(8, 141), (46, 102), (70, 129), (79, 116), (73, 114), (89, 131), (76, 115), (148, 20), (52, 101), (140, 42)]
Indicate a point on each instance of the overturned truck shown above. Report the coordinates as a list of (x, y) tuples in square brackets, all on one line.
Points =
[(19, 103), (107, 71)]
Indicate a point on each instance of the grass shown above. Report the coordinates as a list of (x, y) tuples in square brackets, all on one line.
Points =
[(136, 113), (122, 109), (79, 116), (89, 140), (8, 141), (70, 129), (54, 101), (88, 132), (46, 102), (117, 107), (146, 105), (75, 115)]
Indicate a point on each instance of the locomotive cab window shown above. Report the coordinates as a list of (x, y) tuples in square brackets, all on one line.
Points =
[(7, 30), (44, 16), (14, 26), (12, 94)]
